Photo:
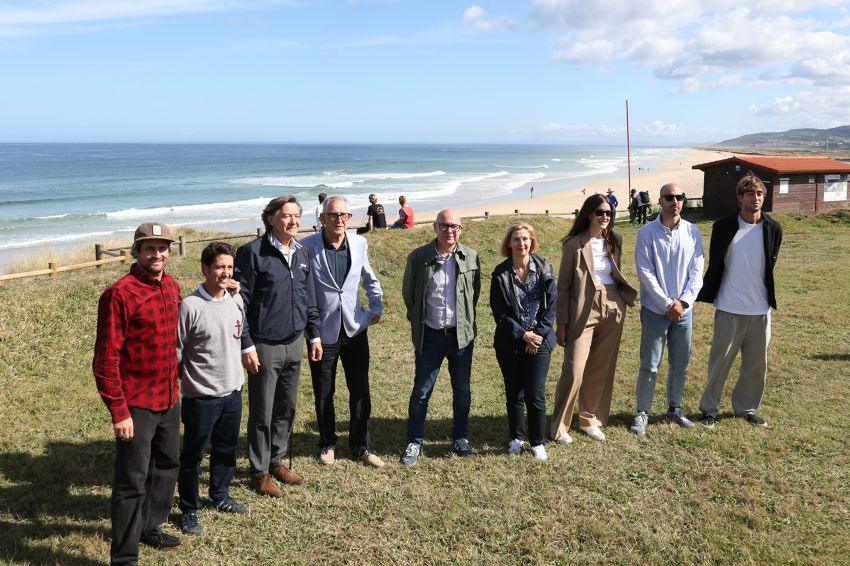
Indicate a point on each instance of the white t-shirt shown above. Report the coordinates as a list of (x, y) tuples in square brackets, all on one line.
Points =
[(742, 290), (601, 262)]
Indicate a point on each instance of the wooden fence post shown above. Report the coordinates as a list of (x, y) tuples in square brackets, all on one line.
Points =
[(52, 267), (516, 211), (547, 212), (486, 215), (98, 253), (125, 253), (182, 240)]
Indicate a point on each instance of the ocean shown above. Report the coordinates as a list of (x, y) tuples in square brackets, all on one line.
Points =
[(75, 194)]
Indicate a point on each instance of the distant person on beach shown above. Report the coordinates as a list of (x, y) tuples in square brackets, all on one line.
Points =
[(634, 205), (645, 206), (280, 300), (441, 286), (612, 200), (669, 259), (375, 217), (318, 225), (135, 368), (340, 263), (591, 311), (532, 191), (523, 294), (405, 214), (209, 333), (739, 281)]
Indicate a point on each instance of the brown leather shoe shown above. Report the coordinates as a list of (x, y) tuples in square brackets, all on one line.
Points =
[(284, 474), (265, 485)]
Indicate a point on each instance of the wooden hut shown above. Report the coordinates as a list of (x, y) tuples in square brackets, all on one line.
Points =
[(794, 184)]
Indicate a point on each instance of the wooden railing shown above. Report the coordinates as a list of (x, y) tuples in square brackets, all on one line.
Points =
[(104, 256)]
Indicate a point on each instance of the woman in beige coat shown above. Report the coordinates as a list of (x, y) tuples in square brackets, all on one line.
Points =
[(592, 299)]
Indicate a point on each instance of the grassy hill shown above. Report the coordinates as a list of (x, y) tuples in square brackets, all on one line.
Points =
[(735, 494), (803, 140)]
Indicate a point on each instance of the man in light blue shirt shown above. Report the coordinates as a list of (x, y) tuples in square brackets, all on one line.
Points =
[(670, 258)]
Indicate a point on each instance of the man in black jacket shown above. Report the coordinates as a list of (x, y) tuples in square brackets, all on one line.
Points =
[(280, 301), (739, 281)]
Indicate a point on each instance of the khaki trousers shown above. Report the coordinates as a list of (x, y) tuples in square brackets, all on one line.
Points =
[(589, 365)]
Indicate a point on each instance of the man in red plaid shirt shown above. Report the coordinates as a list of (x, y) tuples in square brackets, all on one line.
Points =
[(135, 367)]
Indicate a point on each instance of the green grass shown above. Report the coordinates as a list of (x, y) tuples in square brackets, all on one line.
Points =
[(735, 494)]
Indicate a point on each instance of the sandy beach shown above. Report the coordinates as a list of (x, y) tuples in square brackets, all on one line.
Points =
[(554, 197), (558, 196)]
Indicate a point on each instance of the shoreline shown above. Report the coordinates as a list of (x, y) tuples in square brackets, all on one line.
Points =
[(559, 196)]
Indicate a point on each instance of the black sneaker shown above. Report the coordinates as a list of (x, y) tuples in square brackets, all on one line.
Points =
[(754, 419), (462, 448), (160, 540), (226, 505), (707, 420), (190, 524)]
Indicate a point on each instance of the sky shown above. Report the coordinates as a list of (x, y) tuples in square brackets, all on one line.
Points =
[(420, 71)]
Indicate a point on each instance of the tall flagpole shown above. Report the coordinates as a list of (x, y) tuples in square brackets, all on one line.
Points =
[(628, 149)]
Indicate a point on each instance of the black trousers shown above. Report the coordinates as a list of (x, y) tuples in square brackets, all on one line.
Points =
[(525, 388), (211, 421), (145, 475), (354, 353)]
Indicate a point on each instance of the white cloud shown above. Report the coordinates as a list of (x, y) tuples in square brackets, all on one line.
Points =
[(600, 130), (705, 44), (475, 18), (821, 108), (34, 18), (660, 128)]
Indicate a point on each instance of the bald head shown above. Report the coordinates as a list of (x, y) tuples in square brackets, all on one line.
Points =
[(447, 227), (669, 188)]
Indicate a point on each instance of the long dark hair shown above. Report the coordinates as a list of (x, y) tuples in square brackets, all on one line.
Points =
[(582, 221)]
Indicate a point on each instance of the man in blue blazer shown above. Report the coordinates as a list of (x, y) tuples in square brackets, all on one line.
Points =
[(341, 264)]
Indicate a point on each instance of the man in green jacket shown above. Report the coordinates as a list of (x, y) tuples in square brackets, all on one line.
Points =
[(442, 283)]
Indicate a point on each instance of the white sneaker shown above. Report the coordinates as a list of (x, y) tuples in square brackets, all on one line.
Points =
[(564, 439), (539, 453), (326, 457), (515, 447), (593, 432)]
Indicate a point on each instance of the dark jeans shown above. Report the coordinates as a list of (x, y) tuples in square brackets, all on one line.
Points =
[(214, 420), (145, 474), (525, 388), (354, 353), (437, 346)]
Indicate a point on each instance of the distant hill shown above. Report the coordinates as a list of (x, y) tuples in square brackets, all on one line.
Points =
[(803, 140)]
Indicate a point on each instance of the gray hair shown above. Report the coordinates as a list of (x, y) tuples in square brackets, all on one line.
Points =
[(327, 204)]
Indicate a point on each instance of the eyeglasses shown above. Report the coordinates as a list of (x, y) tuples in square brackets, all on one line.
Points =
[(602, 212), (338, 215), (449, 227), (669, 198)]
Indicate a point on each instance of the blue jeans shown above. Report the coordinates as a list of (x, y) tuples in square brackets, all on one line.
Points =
[(436, 347), (208, 419), (656, 329)]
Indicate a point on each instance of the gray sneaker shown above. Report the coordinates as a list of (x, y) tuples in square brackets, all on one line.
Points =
[(639, 424), (411, 454), (462, 448), (677, 415), (190, 524), (515, 447)]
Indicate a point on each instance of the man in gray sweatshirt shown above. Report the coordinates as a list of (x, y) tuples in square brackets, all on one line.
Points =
[(209, 333)]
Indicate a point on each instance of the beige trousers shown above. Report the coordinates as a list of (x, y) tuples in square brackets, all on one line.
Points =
[(589, 365)]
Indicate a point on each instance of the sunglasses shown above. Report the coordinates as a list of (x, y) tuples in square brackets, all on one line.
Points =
[(669, 198), (601, 212)]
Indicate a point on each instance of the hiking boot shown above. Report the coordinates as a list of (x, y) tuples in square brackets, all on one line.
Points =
[(226, 505), (284, 474), (411, 454), (677, 415), (190, 524), (327, 458), (265, 485), (462, 448), (639, 424), (160, 540), (515, 447)]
